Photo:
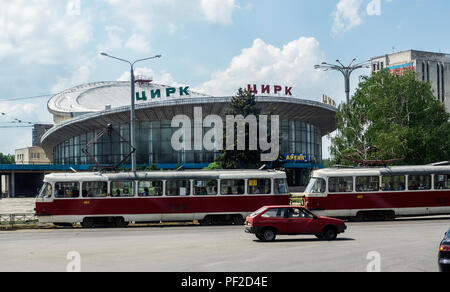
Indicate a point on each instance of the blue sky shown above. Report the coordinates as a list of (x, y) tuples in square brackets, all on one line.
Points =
[(215, 46)]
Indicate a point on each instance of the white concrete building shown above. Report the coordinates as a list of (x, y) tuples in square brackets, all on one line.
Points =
[(429, 66)]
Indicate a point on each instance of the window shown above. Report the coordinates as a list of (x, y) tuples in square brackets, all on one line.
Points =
[(95, 189), (393, 183), (442, 182), (232, 187), (259, 186), (367, 184), (316, 185), (298, 213), (205, 187), (67, 190), (150, 188), (340, 184), (178, 188), (124, 189), (280, 186), (274, 213), (46, 191), (419, 182)]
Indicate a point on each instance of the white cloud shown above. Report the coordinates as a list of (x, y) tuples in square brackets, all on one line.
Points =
[(41, 31), (169, 15), (292, 65), (219, 11), (163, 77), (138, 43), (80, 76), (347, 16)]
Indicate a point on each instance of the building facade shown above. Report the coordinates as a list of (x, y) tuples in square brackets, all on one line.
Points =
[(81, 113), (31, 155), (39, 131), (429, 67)]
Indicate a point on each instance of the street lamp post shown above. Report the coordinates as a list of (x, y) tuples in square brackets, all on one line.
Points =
[(132, 115), (345, 70)]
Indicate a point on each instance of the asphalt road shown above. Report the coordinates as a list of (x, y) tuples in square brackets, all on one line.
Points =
[(404, 245)]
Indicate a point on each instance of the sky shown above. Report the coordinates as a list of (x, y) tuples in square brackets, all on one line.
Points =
[(214, 46)]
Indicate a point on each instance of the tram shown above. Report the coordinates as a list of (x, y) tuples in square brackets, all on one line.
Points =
[(387, 192), (116, 199)]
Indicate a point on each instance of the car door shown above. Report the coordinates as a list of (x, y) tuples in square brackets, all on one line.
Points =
[(274, 217), (298, 221)]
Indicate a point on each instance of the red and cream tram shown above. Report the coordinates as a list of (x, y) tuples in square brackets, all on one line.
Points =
[(363, 193), (94, 199)]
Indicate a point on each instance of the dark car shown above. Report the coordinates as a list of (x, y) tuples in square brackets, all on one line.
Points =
[(270, 221), (444, 253)]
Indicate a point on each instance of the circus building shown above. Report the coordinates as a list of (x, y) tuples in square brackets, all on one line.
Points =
[(82, 112)]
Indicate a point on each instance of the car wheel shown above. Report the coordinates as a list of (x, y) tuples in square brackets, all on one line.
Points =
[(269, 234), (259, 236), (329, 233)]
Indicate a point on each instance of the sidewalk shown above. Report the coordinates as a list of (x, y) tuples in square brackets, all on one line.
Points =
[(17, 206)]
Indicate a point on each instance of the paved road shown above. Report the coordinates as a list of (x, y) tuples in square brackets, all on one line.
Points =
[(405, 245)]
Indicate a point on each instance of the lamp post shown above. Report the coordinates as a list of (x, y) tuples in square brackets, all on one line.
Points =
[(132, 122), (345, 70)]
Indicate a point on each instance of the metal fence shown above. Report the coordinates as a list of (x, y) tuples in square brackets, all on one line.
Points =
[(15, 219)]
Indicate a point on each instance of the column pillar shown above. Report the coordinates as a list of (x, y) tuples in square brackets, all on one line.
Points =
[(12, 185)]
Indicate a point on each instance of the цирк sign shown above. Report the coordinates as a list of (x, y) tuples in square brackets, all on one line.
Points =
[(162, 93)]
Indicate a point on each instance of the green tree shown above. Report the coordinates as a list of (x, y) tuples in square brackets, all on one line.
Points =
[(398, 116), (7, 159), (244, 104)]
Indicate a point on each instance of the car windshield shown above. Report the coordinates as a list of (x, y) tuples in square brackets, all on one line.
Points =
[(448, 236), (256, 213)]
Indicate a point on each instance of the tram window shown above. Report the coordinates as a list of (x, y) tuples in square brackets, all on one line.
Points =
[(316, 185), (176, 188), (367, 183), (232, 187), (46, 191), (393, 183), (150, 188), (259, 187), (205, 187), (419, 182), (340, 184), (280, 186), (442, 182), (122, 189), (67, 190), (95, 189)]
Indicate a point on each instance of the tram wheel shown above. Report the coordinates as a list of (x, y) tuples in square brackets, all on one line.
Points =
[(88, 223), (238, 220), (120, 222)]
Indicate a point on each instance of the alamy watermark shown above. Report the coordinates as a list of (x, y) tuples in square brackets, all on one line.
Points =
[(235, 130), (73, 7), (374, 265), (74, 265)]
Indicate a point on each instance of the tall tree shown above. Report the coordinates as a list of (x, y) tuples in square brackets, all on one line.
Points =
[(244, 104), (392, 116)]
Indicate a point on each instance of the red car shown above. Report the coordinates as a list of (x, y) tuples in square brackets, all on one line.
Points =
[(270, 221)]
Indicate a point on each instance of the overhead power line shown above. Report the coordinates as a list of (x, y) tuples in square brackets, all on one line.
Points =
[(25, 98)]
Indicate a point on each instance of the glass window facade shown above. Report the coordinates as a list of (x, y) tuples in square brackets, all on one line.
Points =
[(153, 143)]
